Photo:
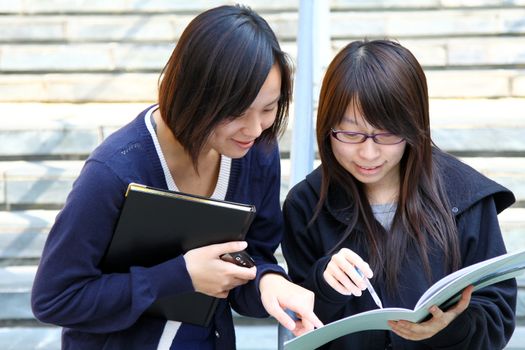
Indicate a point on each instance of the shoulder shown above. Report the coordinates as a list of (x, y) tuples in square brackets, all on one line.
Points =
[(129, 154), (465, 186), (123, 141), (256, 175), (307, 190), (264, 154), (261, 161)]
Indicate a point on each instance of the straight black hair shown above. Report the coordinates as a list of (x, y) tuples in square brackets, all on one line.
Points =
[(215, 72), (385, 81)]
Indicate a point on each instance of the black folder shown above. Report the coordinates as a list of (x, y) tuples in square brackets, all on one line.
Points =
[(156, 225)]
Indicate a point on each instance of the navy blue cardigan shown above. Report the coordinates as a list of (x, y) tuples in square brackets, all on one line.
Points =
[(104, 311), (475, 200)]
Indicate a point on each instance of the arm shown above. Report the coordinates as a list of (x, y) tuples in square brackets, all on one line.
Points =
[(271, 292), (69, 289), (260, 180), (304, 249)]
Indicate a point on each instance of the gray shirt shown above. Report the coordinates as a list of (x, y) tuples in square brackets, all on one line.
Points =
[(384, 213)]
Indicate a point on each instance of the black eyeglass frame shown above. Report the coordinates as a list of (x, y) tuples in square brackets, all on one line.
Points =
[(335, 134)]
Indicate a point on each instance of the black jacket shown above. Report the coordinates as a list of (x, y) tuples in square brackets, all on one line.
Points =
[(475, 200)]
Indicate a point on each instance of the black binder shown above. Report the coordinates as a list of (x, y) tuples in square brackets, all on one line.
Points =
[(156, 225)]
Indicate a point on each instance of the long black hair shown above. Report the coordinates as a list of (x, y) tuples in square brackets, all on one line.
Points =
[(385, 81)]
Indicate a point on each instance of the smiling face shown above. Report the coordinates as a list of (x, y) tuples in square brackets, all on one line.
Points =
[(376, 166), (234, 138)]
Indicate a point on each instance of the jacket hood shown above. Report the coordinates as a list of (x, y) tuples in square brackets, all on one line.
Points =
[(464, 186)]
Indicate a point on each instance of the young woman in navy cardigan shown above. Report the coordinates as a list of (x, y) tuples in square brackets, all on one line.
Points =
[(223, 99), (387, 201)]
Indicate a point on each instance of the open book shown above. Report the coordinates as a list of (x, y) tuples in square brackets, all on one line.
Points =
[(444, 293)]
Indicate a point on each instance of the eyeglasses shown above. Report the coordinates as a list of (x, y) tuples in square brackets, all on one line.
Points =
[(384, 138)]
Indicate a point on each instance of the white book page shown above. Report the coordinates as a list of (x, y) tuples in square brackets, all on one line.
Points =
[(462, 278)]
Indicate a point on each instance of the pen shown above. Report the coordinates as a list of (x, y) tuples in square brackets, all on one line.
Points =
[(371, 289)]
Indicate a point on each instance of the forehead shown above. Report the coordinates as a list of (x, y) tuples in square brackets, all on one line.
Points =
[(271, 88), (354, 116)]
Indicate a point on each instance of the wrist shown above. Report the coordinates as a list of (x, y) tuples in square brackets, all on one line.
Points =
[(270, 279)]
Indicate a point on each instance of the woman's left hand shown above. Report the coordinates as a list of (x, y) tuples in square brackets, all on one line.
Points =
[(279, 294), (440, 319)]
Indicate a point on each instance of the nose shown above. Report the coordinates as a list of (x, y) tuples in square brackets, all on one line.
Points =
[(253, 126), (369, 149)]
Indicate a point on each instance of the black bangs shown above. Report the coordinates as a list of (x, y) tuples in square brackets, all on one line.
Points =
[(219, 65), (251, 58), (240, 59), (382, 91)]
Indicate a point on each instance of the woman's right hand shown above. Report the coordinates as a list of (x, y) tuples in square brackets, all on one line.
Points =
[(213, 276), (341, 275)]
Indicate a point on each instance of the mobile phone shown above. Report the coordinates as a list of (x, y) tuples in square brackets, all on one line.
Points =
[(240, 258)]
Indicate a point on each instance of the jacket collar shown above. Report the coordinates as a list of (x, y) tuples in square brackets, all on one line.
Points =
[(337, 204), (464, 187)]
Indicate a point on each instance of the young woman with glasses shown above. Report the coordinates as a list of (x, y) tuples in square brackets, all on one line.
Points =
[(388, 202)]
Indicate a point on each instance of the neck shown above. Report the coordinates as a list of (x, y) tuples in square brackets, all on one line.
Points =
[(172, 149), (199, 180), (382, 193)]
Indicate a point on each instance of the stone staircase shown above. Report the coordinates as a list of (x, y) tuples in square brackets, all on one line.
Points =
[(74, 71)]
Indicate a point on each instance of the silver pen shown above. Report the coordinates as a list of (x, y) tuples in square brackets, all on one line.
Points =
[(371, 289)]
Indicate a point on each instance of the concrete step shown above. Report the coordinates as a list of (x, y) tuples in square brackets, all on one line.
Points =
[(38, 183), (86, 57), (461, 52), (142, 87), (45, 184), (32, 130), (18, 322), (66, 130), (16, 282), (31, 7), (247, 337), (79, 87), (460, 113), (165, 26), (118, 7), (432, 53), (23, 234)]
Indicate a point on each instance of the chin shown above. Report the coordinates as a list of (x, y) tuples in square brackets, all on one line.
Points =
[(235, 154)]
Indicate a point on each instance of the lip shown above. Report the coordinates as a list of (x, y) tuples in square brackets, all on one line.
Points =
[(369, 170), (244, 144)]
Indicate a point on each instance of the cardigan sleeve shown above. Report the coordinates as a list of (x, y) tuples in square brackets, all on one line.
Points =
[(489, 320), (306, 263), (69, 288), (265, 233)]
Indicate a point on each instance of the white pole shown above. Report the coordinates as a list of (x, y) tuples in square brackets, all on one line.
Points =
[(313, 52)]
